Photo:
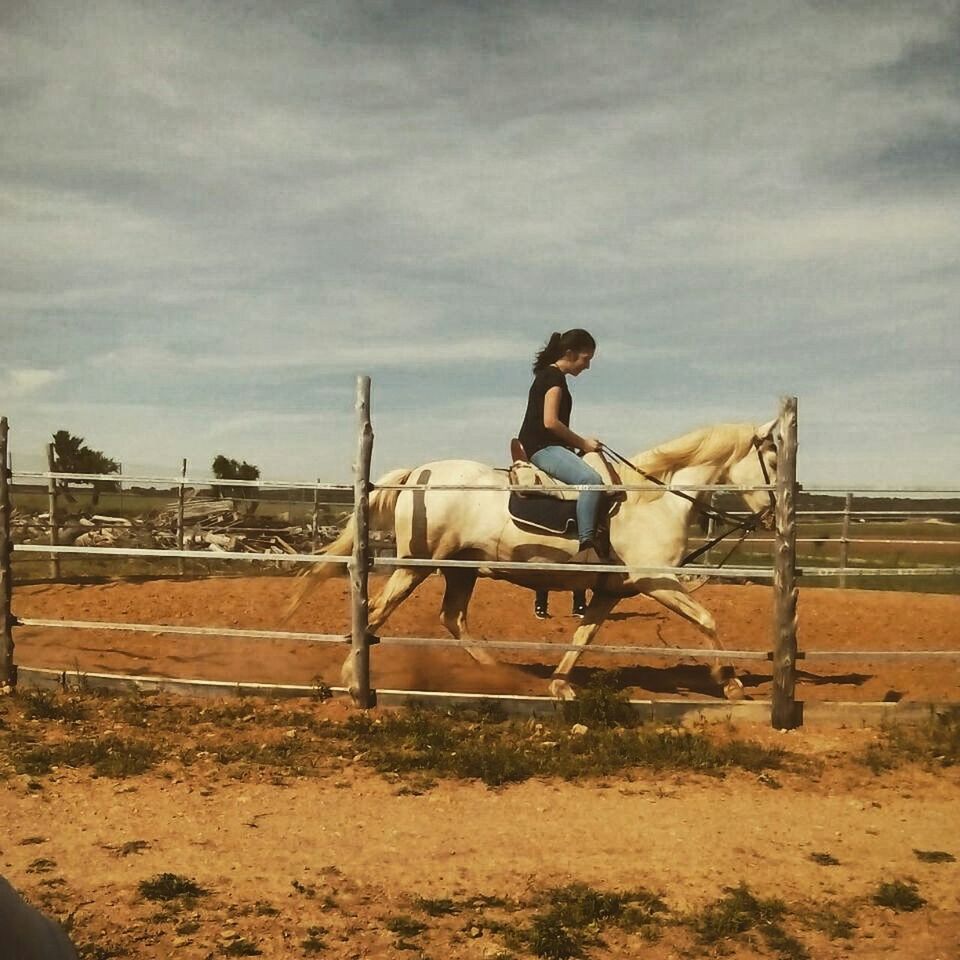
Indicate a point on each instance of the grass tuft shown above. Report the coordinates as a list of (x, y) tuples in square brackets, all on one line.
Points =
[(169, 886), (44, 705), (240, 947), (548, 937), (601, 703), (109, 755), (934, 856), (424, 741), (404, 926), (934, 742), (735, 913), (436, 908), (899, 896), (825, 859), (833, 921), (314, 942), (572, 918)]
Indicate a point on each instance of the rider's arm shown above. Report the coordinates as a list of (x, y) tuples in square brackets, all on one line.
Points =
[(553, 423)]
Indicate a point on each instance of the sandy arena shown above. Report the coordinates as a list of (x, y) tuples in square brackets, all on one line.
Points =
[(828, 620)]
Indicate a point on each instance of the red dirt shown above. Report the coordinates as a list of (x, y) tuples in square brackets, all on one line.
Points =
[(828, 620)]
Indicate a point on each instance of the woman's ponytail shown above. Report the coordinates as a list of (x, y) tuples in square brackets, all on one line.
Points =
[(550, 353), (559, 344)]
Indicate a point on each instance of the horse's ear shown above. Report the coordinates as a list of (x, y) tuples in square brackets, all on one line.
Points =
[(765, 430)]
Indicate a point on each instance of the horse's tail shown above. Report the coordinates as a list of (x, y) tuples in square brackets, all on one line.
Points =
[(383, 503)]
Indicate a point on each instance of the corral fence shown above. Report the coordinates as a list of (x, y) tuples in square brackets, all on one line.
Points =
[(785, 710)]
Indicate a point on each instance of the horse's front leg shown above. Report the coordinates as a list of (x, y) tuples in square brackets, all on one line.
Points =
[(453, 613), (597, 611), (670, 593)]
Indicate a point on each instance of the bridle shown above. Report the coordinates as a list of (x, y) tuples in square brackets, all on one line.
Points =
[(745, 525)]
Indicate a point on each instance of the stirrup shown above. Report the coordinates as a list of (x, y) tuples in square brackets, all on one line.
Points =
[(603, 556)]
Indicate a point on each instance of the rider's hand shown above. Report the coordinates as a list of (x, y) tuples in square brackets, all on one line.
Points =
[(591, 445)]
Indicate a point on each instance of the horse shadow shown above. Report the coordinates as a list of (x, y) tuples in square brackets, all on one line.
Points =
[(843, 679), (683, 678)]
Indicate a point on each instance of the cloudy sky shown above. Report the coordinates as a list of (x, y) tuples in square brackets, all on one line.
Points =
[(216, 214)]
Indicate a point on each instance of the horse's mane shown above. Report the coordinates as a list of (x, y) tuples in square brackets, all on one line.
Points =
[(722, 444)]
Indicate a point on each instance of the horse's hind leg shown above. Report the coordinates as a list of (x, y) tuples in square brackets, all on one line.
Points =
[(675, 598), (453, 614), (401, 584), (403, 581)]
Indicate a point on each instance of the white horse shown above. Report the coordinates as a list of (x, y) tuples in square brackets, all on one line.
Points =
[(650, 529)]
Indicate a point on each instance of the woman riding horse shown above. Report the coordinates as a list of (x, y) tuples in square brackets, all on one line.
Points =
[(546, 436)]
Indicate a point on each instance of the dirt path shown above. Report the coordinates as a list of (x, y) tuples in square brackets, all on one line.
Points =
[(829, 620), (347, 854)]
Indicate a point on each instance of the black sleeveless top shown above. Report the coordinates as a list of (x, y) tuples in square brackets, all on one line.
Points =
[(533, 435)]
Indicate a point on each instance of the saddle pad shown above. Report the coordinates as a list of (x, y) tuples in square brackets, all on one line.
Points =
[(545, 514), (524, 474)]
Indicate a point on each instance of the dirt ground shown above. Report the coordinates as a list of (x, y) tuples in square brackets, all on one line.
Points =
[(330, 865), (828, 620)]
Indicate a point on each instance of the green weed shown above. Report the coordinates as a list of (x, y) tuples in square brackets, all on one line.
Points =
[(314, 942), (899, 896), (573, 917), (169, 886), (740, 911), (833, 921), (601, 703), (404, 926), (422, 741), (43, 705), (935, 741), (549, 938), (240, 947), (436, 908), (109, 755)]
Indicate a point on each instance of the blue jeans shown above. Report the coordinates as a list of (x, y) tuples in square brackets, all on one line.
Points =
[(564, 465)]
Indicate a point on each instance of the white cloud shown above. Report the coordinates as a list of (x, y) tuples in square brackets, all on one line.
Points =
[(23, 381), (203, 197)]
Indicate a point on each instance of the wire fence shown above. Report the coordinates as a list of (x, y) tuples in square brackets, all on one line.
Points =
[(776, 561)]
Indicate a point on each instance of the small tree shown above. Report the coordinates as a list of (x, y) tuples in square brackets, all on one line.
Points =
[(70, 455), (226, 469)]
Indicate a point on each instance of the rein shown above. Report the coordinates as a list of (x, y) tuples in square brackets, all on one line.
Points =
[(746, 525)]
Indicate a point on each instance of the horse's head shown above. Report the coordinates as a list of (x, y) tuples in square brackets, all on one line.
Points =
[(757, 467)]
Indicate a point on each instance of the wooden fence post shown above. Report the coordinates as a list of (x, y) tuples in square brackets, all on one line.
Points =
[(8, 670), (786, 713), (183, 475), (711, 525), (315, 518), (845, 537), (52, 509), (359, 565)]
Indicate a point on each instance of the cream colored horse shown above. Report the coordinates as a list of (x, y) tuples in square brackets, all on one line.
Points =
[(649, 530)]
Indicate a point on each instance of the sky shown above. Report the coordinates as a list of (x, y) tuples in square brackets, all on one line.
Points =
[(215, 215)]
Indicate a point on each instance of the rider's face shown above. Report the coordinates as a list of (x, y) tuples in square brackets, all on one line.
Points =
[(579, 361)]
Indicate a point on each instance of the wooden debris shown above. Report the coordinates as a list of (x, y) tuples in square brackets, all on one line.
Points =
[(209, 526)]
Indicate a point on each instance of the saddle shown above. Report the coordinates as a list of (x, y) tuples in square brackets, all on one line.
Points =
[(524, 474), (543, 506)]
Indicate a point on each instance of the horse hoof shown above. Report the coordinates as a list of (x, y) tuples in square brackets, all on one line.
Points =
[(561, 690), (733, 689)]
